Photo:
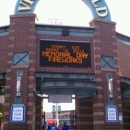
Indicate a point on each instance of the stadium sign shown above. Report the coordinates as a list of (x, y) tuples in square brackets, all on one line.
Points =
[(65, 54), (98, 8)]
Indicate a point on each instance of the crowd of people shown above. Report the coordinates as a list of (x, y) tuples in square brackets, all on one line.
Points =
[(54, 127)]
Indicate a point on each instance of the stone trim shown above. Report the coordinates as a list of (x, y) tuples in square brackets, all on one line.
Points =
[(22, 15), (9, 62), (113, 36), (30, 122), (29, 113), (103, 21), (24, 67), (7, 113), (31, 86), (117, 81), (7, 95), (7, 104), (100, 87), (31, 77), (98, 80), (30, 94), (98, 71), (11, 31), (32, 61), (114, 43), (118, 89), (97, 33), (32, 37), (97, 41), (11, 46), (119, 105), (119, 97), (32, 69), (32, 30), (98, 105), (8, 70), (98, 96), (113, 70), (6, 122), (8, 78), (11, 38), (98, 63), (30, 103), (98, 113), (97, 56), (10, 54), (97, 48)]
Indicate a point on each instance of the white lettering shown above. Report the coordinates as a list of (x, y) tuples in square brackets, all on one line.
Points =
[(28, 1), (25, 6), (98, 10), (102, 11), (93, 2)]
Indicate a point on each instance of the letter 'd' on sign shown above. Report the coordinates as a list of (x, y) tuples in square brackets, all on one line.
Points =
[(102, 12)]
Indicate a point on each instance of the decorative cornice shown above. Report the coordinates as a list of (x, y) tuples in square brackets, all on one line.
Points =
[(123, 38), (4, 30)]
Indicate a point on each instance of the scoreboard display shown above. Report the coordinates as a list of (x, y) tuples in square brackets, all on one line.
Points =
[(65, 54)]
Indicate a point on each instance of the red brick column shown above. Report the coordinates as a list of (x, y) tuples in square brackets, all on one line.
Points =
[(126, 115), (38, 113), (22, 38), (105, 45), (84, 114)]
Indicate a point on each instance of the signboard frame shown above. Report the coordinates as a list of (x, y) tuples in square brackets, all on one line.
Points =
[(63, 53), (17, 106), (57, 99), (111, 107)]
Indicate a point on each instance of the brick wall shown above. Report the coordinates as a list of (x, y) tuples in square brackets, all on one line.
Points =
[(22, 38), (4, 41), (84, 114), (105, 45), (124, 59)]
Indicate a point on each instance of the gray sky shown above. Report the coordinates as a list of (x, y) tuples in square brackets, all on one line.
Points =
[(71, 12)]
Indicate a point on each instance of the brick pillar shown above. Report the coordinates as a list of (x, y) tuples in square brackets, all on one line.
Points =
[(126, 115), (105, 45), (39, 113), (22, 38), (84, 114)]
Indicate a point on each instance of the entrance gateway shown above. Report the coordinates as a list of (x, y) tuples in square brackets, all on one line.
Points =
[(60, 60), (82, 85)]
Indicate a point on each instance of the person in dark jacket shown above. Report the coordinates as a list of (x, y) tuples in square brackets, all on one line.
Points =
[(53, 127), (65, 127), (42, 127)]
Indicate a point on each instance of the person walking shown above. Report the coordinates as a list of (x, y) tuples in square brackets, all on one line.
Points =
[(53, 127), (59, 128), (2, 127), (65, 127)]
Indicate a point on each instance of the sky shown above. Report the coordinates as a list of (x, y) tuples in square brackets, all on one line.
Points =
[(72, 13)]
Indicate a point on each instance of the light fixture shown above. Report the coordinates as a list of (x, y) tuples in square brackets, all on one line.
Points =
[(19, 86), (110, 87)]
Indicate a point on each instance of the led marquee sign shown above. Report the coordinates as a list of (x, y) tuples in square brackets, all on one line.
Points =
[(65, 54)]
